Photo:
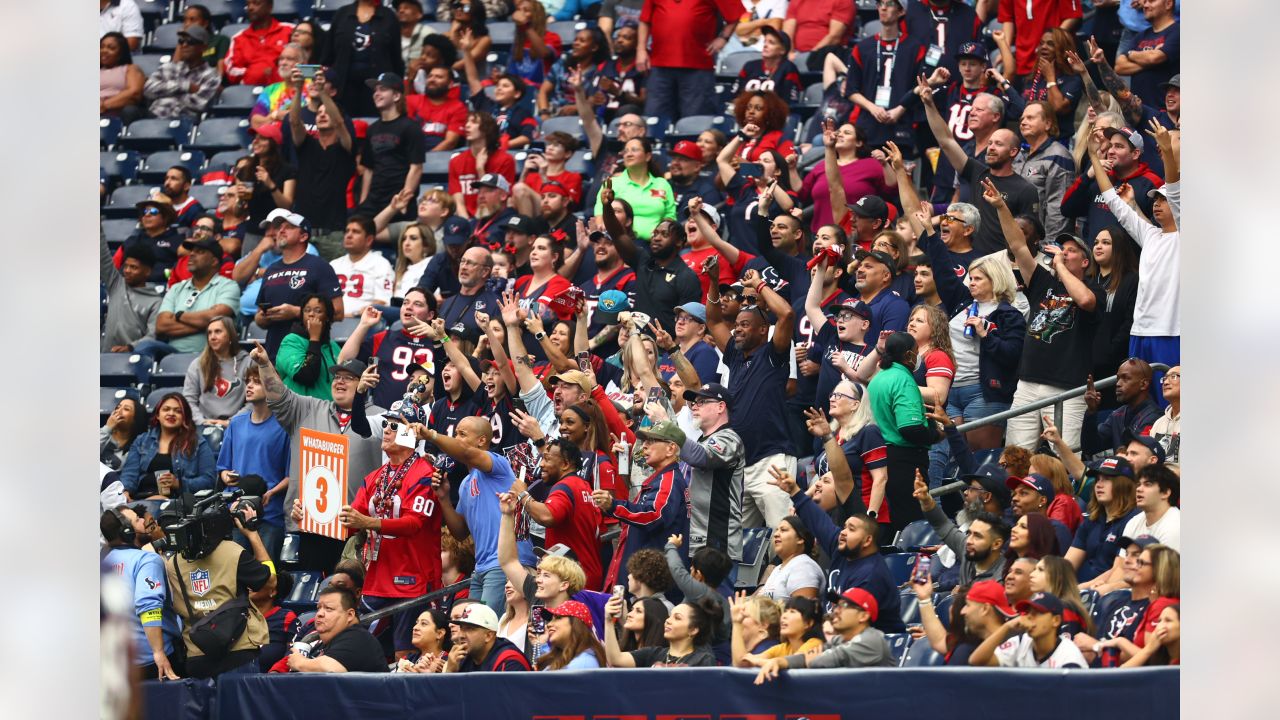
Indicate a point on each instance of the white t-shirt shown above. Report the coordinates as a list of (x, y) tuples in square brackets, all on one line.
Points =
[(965, 348), (800, 572), (365, 282), (123, 17), (1019, 652), (1168, 529), (412, 275)]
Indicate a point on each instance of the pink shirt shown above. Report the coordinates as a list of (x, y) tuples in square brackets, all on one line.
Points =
[(861, 177)]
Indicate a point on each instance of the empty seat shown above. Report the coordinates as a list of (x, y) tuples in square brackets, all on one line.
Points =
[(503, 34), (207, 195), (292, 10), (566, 29), (109, 129), (921, 654), (916, 535), (122, 369), (900, 565), (150, 134), (165, 37), (813, 94), (325, 9), (306, 587), (236, 101), (117, 230), (155, 396), (215, 134), (910, 606), (1089, 598), (123, 201), (870, 28), (148, 63), (581, 163), (222, 10), (898, 644), (754, 552), (155, 165), (942, 603), (689, 128), (568, 125), (118, 166), (225, 160), (172, 369), (253, 334), (341, 330), (435, 167), (733, 63)]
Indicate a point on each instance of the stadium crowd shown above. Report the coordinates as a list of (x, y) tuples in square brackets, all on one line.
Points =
[(651, 326)]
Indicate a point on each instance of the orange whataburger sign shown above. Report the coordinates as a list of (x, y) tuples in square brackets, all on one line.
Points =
[(323, 462)]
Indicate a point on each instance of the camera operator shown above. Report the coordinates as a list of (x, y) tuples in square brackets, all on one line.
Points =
[(155, 630), (208, 577)]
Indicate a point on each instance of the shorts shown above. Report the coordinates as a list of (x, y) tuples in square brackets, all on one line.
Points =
[(967, 402)]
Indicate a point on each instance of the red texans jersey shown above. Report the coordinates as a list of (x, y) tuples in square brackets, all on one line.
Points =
[(407, 562)]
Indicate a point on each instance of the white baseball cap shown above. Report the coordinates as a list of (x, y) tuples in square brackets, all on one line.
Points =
[(274, 215), (480, 615)]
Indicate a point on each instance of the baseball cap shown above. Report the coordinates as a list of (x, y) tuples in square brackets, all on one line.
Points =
[(555, 186), (479, 615), (665, 431), (415, 3), (884, 259), (1131, 135), (388, 80), (1150, 444), (274, 215), (731, 288), (353, 366), (697, 310), (858, 597), (1036, 482), (1161, 191), (271, 131), (1143, 541), (1041, 602), (710, 211), (407, 410), (572, 377), (991, 593), (520, 224), (714, 391), (687, 149), (195, 32), (208, 245), (1112, 466), (972, 50), (857, 307), (1175, 81), (455, 231), (568, 608), (298, 221), (1068, 237), (992, 478), (493, 180), (610, 303), (777, 35), (871, 206)]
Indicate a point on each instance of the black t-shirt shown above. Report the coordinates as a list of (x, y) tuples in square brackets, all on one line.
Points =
[(1058, 350), (288, 284), (389, 148), (261, 203), (1020, 195), (659, 656), (323, 174), (357, 650)]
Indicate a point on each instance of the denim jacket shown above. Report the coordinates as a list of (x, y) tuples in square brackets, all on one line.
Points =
[(195, 472)]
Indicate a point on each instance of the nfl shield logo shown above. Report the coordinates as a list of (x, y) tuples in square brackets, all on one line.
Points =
[(296, 282), (200, 582)]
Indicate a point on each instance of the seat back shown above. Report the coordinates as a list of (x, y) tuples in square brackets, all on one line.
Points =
[(921, 654), (306, 588), (172, 369), (910, 606), (900, 565), (215, 134), (157, 164), (122, 369), (754, 552), (916, 535), (898, 644)]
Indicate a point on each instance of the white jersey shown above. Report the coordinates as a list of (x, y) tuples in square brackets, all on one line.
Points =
[(1019, 652), (365, 282)]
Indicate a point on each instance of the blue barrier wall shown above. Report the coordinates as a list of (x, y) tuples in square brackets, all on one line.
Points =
[(710, 693)]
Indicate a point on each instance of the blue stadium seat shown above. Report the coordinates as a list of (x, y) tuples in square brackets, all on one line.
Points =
[(341, 330), (122, 369), (900, 565), (942, 603), (910, 606), (325, 9), (207, 195), (157, 164), (117, 230), (435, 168), (154, 397), (755, 550), (230, 30), (306, 587), (164, 38), (222, 10), (253, 333), (503, 34), (869, 28), (235, 101), (289, 552), (1107, 604), (1089, 598), (153, 12), (921, 654), (689, 128), (566, 29), (150, 134), (225, 160), (172, 369), (292, 10), (119, 166), (568, 125), (109, 129), (916, 535), (148, 63), (733, 63), (813, 94), (898, 644), (108, 398), (216, 134), (581, 163), (123, 201)]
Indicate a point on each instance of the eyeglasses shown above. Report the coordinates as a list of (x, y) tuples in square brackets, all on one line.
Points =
[(971, 489), (846, 396), (473, 263), (948, 218), (705, 401), (629, 123), (1143, 563), (846, 315), (1171, 376)]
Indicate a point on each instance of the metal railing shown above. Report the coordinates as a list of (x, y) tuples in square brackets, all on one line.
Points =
[(405, 606), (1056, 401)]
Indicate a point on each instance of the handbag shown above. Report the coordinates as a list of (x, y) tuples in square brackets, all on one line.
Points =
[(215, 632)]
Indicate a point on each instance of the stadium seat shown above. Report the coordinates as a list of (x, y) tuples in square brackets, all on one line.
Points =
[(435, 168), (870, 28), (148, 63), (231, 29), (216, 134), (1105, 605), (117, 230), (916, 535), (1089, 598), (109, 129), (253, 333), (813, 94), (341, 330), (566, 29), (155, 165), (942, 603), (306, 587), (235, 101), (292, 10), (154, 397), (164, 38), (123, 201), (754, 551), (122, 369), (910, 606), (921, 654), (150, 134), (733, 63), (568, 125), (689, 128), (325, 9), (225, 160), (118, 166), (581, 163), (108, 398), (898, 644), (172, 369), (900, 565), (223, 10), (207, 195), (503, 34)]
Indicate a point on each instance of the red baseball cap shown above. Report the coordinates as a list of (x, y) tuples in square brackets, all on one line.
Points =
[(991, 593), (556, 187), (569, 608), (271, 131), (688, 149), (860, 598)]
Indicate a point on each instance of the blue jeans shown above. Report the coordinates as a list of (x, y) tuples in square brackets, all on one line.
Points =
[(966, 402), (674, 93), (153, 349), (489, 587)]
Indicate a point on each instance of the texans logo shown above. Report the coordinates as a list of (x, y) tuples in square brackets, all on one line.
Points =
[(221, 386), (296, 282)]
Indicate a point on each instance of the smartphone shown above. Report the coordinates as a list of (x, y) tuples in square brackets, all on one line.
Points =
[(655, 395), (584, 361), (518, 404), (619, 591), (264, 306), (754, 170), (309, 72)]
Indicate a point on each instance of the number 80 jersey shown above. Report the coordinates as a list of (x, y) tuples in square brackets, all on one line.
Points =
[(408, 562), (396, 351)]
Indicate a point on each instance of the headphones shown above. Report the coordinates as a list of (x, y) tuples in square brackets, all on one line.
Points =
[(127, 533)]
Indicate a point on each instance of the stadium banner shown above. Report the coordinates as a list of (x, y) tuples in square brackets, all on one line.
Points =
[(709, 694), (186, 699), (323, 460)]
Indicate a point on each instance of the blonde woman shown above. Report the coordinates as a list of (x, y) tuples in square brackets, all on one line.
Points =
[(417, 246)]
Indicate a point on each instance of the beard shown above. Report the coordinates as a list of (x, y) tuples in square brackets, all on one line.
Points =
[(435, 93), (977, 556), (666, 253)]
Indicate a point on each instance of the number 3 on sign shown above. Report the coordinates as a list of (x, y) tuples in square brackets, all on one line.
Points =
[(321, 489)]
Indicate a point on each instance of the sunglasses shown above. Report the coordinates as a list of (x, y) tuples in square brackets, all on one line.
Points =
[(391, 424), (750, 299), (151, 211), (184, 40)]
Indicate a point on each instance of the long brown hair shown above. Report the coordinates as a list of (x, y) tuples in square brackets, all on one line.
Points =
[(939, 332), (428, 249), (597, 429), (186, 439), (581, 639), (1123, 499), (210, 365), (1060, 579), (1052, 468)]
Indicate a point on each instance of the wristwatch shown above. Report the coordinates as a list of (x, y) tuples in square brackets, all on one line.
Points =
[(539, 336), (178, 315)]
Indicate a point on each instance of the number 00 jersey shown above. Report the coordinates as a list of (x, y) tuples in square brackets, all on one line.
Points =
[(408, 546)]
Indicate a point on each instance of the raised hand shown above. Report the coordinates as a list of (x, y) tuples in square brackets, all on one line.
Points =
[(782, 480), (508, 503), (527, 425), (816, 422), (940, 76), (1096, 55), (661, 337), (606, 193), (1075, 63), (991, 195), (370, 317), (368, 379), (894, 155), (259, 355), (920, 491), (1092, 398)]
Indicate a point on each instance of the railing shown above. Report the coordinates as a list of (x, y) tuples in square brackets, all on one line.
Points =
[(1056, 401), (410, 604)]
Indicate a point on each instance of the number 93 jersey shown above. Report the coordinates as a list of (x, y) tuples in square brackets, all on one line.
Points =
[(396, 351), (408, 546)]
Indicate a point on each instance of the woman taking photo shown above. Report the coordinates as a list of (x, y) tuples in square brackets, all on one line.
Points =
[(171, 457), (269, 182), (1031, 537), (798, 575), (686, 635), (644, 623), (1054, 575), (307, 353), (119, 80), (125, 423), (861, 174), (859, 475), (214, 384), (799, 632), (571, 639), (430, 643), (641, 184)]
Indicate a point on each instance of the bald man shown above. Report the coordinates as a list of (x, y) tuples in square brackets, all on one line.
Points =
[(478, 513), (997, 164)]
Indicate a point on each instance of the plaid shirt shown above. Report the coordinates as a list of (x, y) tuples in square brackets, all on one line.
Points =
[(169, 89)]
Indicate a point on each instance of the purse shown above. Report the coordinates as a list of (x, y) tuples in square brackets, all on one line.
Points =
[(215, 632)]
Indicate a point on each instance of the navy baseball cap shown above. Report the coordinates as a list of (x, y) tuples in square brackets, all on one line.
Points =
[(1150, 444), (388, 80), (712, 391), (857, 307), (1143, 541), (884, 259), (972, 50), (1041, 602), (520, 224), (455, 231), (778, 35), (992, 478), (1113, 466), (1035, 481)]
